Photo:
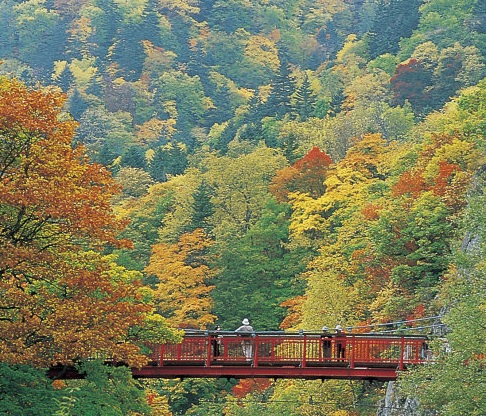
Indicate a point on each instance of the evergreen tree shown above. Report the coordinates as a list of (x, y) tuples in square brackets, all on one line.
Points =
[(289, 146), (106, 25), (134, 157), (253, 129), (77, 104), (395, 19), (279, 102), (95, 87), (226, 136), (177, 160), (158, 165), (106, 155), (8, 38), (305, 100), (330, 39), (223, 109), (203, 209), (66, 79), (128, 51), (169, 160)]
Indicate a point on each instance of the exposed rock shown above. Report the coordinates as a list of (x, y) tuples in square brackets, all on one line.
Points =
[(394, 405)]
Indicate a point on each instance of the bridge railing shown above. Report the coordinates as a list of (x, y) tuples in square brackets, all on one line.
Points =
[(302, 349)]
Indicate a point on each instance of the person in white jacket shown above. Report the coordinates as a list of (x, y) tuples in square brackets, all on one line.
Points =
[(246, 330)]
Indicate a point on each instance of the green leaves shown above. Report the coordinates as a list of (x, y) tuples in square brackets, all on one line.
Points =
[(25, 391)]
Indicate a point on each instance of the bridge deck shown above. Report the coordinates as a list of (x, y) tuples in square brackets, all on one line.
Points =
[(281, 355)]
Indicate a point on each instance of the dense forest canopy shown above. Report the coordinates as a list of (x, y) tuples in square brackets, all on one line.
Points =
[(177, 164)]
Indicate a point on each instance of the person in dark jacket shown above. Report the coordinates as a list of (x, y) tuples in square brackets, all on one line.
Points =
[(326, 342), (216, 341), (340, 343)]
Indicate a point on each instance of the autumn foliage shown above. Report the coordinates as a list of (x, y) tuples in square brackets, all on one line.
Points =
[(382, 227), (59, 299), (247, 386), (305, 175), (183, 291)]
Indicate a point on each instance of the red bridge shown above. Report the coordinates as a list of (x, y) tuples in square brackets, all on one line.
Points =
[(281, 355)]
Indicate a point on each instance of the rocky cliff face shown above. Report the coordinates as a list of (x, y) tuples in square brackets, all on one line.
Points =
[(394, 405)]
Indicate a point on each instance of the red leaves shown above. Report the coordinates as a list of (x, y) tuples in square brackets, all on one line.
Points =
[(307, 175), (443, 179), (410, 184), (247, 386)]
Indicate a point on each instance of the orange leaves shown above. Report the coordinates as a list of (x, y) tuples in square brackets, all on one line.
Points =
[(314, 159), (371, 211), (59, 300), (294, 314), (41, 177), (32, 111)]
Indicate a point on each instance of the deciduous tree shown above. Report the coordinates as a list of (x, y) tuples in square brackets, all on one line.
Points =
[(182, 293), (58, 299)]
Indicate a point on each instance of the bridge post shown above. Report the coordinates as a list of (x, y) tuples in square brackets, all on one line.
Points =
[(161, 354), (304, 352), (351, 353), (255, 351), (209, 352), (402, 349)]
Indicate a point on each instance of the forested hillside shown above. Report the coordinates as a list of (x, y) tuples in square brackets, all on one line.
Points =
[(180, 164)]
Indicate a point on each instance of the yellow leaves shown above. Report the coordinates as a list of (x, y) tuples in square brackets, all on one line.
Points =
[(180, 6), (347, 47), (367, 156), (83, 70), (59, 67), (81, 28), (262, 51), (308, 215), (158, 404), (58, 384), (458, 152), (329, 300), (133, 10), (366, 90), (152, 130), (182, 294)]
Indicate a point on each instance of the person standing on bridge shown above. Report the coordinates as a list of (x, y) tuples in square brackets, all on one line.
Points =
[(216, 341), (326, 342), (246, 330), (340, 338)]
